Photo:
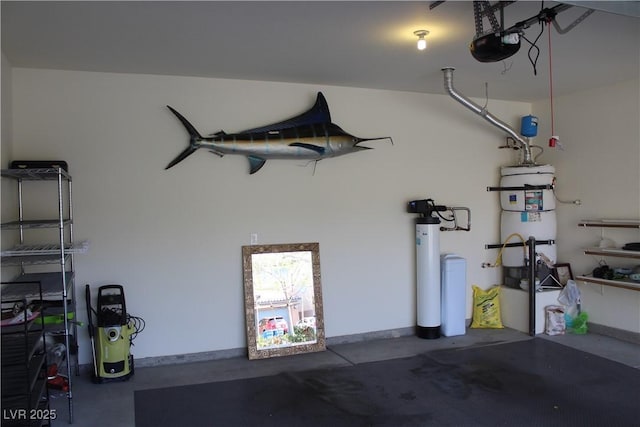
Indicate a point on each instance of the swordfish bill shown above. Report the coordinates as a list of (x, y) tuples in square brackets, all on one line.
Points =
[(308, 136)]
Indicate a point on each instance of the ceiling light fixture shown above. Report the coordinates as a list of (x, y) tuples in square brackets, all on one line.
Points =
[(422, 42)]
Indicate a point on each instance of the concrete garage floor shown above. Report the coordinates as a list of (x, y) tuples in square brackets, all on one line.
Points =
[(112, 404)]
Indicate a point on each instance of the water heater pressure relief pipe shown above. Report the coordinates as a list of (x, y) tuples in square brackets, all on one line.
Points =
[(523, 142)]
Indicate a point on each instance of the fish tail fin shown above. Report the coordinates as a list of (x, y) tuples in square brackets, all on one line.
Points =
[(194, 139)]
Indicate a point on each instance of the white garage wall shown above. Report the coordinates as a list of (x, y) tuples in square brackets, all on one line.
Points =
[(5, 91), (173, 238), (600, 165)]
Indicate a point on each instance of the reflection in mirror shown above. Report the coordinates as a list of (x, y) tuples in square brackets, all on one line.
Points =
[(283, 299)]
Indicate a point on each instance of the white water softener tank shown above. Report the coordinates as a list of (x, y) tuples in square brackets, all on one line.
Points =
[(453, 269), (428, 277), (527, 211)]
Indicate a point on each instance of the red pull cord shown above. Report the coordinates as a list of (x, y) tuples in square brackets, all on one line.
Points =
[(550, 79)]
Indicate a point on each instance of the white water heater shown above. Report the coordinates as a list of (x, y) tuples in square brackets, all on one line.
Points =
[(528, 209)]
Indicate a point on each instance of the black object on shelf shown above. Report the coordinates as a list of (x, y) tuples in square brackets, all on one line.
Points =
[(632, 246), (39, 164)]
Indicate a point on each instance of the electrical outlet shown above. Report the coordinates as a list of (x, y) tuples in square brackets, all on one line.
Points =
[(254, 238)]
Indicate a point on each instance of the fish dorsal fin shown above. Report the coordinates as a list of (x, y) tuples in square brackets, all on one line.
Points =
[(316, 148), (255, 164), (319, 113)]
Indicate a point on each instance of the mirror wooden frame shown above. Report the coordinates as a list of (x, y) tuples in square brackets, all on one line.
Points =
[(289, 276)]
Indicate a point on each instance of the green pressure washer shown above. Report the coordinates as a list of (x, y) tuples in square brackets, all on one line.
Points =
[(112, 339)]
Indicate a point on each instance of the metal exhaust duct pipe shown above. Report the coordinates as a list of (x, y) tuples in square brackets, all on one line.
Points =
[(523, 142)]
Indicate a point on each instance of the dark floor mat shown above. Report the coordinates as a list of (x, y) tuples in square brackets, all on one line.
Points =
[(528, 383)]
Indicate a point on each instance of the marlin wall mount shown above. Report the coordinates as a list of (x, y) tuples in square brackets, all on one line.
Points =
[(308, 136)]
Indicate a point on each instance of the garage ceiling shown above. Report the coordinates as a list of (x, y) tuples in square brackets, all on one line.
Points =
[(368, 44)]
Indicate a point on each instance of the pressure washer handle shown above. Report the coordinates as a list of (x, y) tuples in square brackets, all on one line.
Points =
[(87, 294)]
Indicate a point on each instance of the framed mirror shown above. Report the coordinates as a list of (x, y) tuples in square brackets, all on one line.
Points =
[(283, 299)]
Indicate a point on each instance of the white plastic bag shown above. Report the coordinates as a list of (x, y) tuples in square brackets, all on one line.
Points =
[(570, 294)]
